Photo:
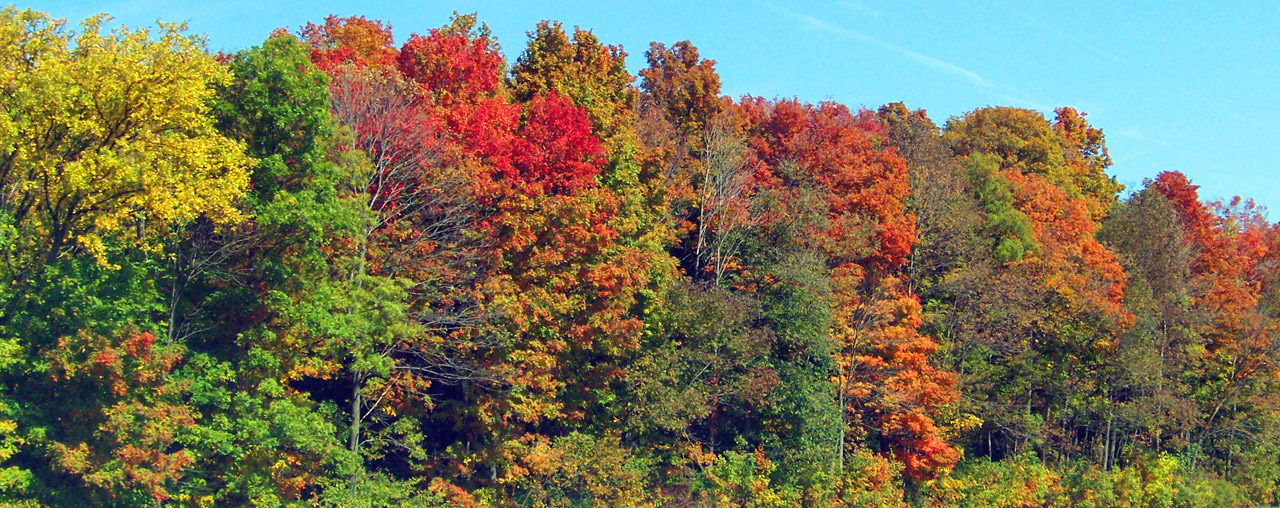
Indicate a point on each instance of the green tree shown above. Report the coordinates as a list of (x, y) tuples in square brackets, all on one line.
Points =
[(250, 296)]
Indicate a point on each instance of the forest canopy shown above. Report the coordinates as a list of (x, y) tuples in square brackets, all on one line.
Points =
[(330, 270)]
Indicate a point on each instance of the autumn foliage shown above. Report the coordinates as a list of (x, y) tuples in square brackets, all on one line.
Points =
[(334, 270)]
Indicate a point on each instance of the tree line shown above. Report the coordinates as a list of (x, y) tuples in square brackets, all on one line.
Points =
[(333, 271)]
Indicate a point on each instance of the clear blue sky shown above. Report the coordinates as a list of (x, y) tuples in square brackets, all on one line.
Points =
[(1192, 87)]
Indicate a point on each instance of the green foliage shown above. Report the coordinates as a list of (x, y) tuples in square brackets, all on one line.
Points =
[(1009, 226), (1160, 482), (264, 445), (1024, 481), (267, 442), (744, 480), (575, 470), (803, 415), (278, 104), (1015, 482), (373, 490), (710, 361)]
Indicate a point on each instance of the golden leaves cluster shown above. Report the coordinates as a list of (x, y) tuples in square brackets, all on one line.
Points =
[(103, 133)]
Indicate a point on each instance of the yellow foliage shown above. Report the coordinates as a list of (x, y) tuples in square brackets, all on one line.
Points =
[(109, 134)]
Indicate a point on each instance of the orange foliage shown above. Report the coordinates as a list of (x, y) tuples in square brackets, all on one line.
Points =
[(686, 85), (556, 272), (125, 434), (354, 40), (840, 153), (884, 371), (1086, 159), (1232, 244), (1071, 261)]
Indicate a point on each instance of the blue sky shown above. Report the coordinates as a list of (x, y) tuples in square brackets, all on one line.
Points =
[(1192, 87)]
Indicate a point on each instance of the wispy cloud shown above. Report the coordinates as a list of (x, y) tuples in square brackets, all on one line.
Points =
[(927, 61), (1002, 92)]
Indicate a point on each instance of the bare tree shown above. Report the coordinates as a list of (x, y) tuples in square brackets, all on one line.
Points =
[(723, 209), (420, 215)]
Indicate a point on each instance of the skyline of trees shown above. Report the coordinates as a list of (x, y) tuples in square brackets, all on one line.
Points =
[(333, 271)]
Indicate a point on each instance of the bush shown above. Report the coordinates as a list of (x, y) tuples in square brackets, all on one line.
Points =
[(1017, 482)]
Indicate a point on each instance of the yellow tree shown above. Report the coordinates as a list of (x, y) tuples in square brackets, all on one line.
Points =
[(108, 133)]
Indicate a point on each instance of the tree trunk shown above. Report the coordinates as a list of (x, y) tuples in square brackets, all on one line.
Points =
[(844, 426), (354, 440), (1106, 446)]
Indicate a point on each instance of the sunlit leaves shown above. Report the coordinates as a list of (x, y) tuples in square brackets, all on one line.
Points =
[(682, 83), (331, 271), (111, 135), (352, 40)]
